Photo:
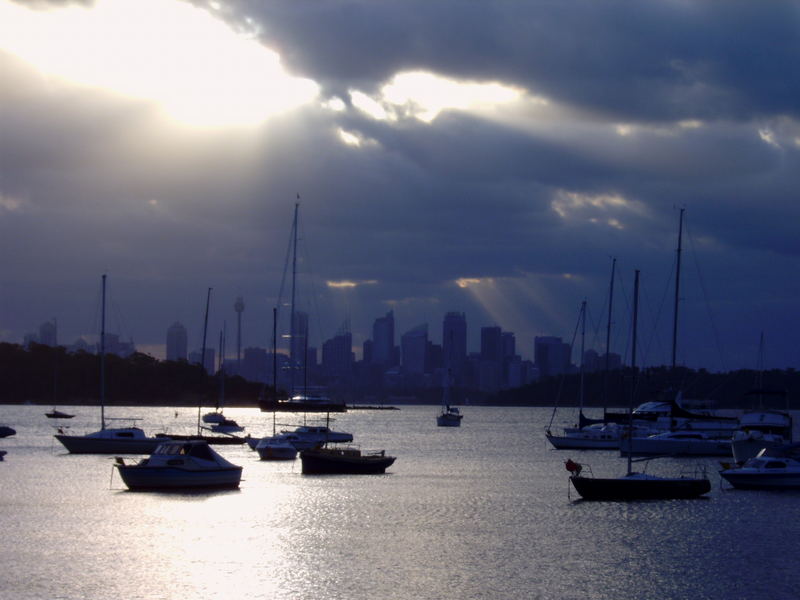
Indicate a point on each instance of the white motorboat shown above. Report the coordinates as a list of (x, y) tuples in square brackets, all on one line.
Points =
[(309, 436), (186, 465), (276, 448), (760, 429), (773, 469), (676, 443)]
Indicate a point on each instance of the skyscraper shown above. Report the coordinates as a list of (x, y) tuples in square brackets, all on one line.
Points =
[(414, 345), (177, 342), (383, 340), (454, 344), (552, 355)]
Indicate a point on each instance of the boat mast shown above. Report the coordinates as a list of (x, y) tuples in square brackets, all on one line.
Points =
[(203, 357), (677, 290), (633, 367), (608, 337), (294, 283), (103, 358), (274, 365), (583, 338), (221, 367)]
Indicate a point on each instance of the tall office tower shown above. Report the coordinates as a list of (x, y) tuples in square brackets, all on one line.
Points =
[(491, 343), (238, 306), (48, 333), (383, 340), (552, 355), (337, 354), (414, 345), (509, 345), (454, 343), (177, 342)]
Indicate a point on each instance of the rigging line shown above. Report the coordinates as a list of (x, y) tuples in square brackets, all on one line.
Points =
[(714, 329), (311, 283), (562, 377), (281, 290)]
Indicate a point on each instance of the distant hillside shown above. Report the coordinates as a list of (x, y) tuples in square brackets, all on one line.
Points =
[(51, 375)]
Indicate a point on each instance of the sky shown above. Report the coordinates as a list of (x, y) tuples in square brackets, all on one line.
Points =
[(490, 158)]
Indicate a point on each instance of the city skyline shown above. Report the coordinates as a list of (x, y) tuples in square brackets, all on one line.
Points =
[(490, 168)]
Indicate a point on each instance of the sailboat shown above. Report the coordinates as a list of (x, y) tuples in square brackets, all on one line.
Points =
[(450, 415), (596, 436), (226, 424), (109, 440), (635, 486), (682, 432)]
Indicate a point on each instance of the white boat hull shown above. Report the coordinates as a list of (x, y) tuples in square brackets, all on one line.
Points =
[(658, 447), (576, 442)]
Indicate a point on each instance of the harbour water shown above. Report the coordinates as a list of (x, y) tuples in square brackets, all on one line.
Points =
[(477, 512)]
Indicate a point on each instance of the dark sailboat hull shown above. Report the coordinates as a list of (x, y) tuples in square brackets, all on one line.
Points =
[(640, 488), (326, 462)]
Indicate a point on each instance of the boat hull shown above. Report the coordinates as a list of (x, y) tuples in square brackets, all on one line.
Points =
[(762, 481), (138, 477), (635, 488), (448, 421), (566, 442), (324, 463), (76, 444), (277, 452), (659, 447), (299, 406)]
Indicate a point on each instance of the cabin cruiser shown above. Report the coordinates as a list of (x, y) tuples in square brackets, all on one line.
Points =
[(180, 466), (760, 429), (776, 468), (308, 436)]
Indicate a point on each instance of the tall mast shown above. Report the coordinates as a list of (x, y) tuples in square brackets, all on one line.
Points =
[(583, 338), (633, 366), (103, 358), (291, 318), (608, 335), (677, 290), (203, 356)]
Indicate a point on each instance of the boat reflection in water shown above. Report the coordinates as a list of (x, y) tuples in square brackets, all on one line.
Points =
[(191, 465)]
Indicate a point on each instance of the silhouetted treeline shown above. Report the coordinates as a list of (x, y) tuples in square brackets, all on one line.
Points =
[(735, 389), (51, 375)]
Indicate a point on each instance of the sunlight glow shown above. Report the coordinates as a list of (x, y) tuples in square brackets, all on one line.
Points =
[(423, 96), (466, 282), (350, 139), (9, 204), (349, 284), (198, 69), (593, 208)]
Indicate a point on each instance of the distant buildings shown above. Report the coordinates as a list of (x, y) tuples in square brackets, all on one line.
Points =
[(551, 355), (177, 342), (415, 365)]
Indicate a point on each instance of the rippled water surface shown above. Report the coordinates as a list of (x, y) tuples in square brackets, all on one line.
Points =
[(480, 511)]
